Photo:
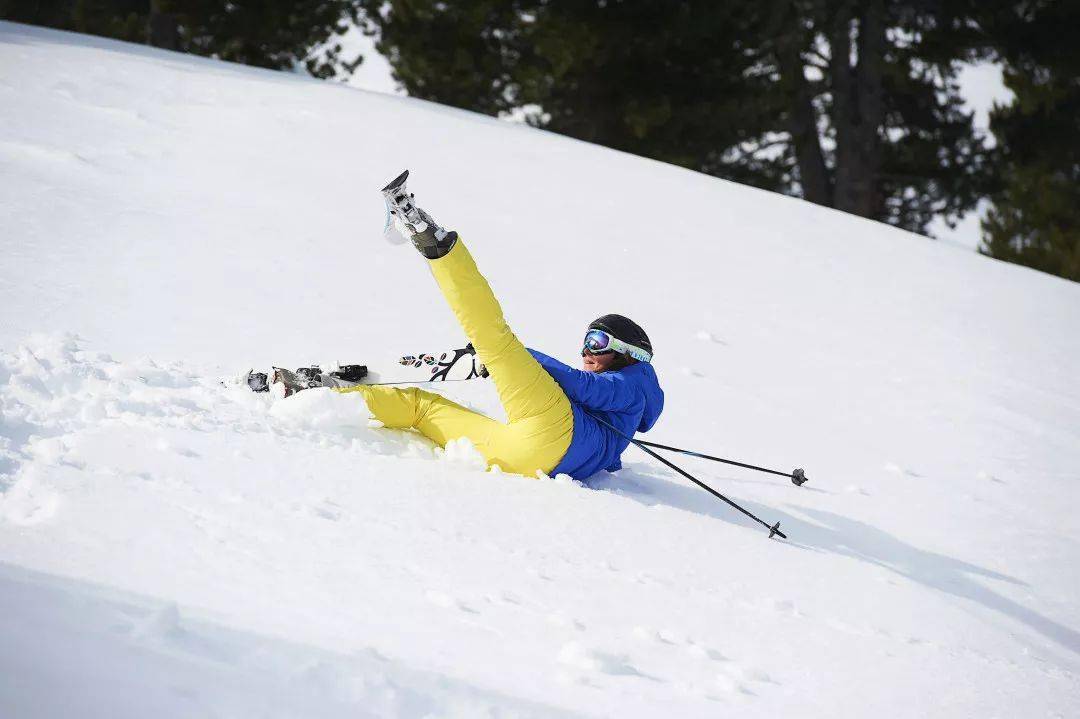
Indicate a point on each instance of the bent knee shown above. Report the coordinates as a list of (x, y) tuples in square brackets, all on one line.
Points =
[(393, 406)]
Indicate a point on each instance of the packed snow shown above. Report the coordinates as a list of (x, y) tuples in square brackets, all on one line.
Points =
[(172, 544)]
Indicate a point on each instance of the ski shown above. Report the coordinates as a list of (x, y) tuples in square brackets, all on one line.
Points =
[(450, 366), (306, 378)]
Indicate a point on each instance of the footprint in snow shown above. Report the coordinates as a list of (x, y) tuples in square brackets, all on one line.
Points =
[(984, 475), (440, 599), (742, 673), (164, 445), (729, 686), (706, 336), (898, 470), (703, 652), (736, 681), (504, 597), (328, 510), (542, 574), (558, 619), (692, 647), (782, 606), (651, 635), (582, 658)]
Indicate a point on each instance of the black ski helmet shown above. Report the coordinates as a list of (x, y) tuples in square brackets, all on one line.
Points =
[(624, 329)]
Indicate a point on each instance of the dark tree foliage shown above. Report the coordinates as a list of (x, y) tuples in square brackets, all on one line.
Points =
[(595, 71), (872, 107), (1036, 216), (265, 33), (120, 19), (276, 34), (852, 105)]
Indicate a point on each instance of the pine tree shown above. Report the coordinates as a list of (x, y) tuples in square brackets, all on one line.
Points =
[(600, 72), (276, 34), (873, 107), (120, 19), (1036, 216), (852, 105)]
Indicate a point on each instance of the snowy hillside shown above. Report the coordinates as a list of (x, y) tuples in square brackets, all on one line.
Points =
[(173, 547)]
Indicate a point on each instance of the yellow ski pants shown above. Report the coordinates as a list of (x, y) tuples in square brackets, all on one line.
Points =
[(540, 420)]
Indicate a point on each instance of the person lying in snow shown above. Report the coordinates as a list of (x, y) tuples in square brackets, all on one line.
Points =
[(549, 405)]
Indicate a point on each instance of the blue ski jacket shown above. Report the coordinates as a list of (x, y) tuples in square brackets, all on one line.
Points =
[(630, 399)]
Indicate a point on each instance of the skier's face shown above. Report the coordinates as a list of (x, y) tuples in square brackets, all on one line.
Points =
[(597, 363)]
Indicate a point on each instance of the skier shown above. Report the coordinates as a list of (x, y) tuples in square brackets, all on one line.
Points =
[(550, 406)]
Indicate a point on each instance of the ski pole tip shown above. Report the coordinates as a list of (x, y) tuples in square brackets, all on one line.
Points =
[(775, 531), (798, 478)]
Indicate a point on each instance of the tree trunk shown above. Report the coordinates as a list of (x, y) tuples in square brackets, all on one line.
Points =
[(871, 109), (843, 104), (161, 28), (858, 108), (802, 117)]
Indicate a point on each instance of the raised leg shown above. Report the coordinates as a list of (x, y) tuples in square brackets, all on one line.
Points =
[(525, 389), (541, 420)]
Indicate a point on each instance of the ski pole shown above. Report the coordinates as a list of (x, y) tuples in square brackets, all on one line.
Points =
[(798, 476), (413, 381), (773, 529)]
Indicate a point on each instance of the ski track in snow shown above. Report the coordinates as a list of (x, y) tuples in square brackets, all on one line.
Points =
[(173, 546)]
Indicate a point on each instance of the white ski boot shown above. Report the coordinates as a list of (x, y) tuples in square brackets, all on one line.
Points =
[(431, 240)]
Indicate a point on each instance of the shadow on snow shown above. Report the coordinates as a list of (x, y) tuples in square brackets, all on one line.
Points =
[(837, 534)]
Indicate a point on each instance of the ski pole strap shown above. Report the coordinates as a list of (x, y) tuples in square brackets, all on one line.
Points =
[(797, 476), (773, 529)]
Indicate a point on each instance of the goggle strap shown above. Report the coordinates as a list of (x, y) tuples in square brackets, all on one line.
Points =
[(614, 343)]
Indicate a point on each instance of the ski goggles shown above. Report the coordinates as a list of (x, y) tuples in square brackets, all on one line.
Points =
[(598, 342)]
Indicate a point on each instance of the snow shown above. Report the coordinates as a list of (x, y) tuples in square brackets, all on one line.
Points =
[(173, 546)]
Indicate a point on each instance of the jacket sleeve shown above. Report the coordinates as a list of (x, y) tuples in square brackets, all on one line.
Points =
[(606, 391)]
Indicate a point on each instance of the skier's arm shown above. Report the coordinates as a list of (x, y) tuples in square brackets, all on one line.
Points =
[(608, 391)]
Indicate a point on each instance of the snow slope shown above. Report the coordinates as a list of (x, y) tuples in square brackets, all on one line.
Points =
[(173, 547)]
